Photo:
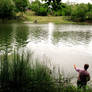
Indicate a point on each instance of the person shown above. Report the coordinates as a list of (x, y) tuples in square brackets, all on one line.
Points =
[(83, 77)]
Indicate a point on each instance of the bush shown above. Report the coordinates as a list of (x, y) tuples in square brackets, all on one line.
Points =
[(42, 11), (79, 12), (21, 5), (35, 6), (89, 15), (57, 13), (7, 8)]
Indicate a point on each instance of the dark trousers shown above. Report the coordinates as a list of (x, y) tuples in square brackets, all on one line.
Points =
[(81, 84)]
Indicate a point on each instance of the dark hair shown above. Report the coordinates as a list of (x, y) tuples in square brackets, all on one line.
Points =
[(86, 66)]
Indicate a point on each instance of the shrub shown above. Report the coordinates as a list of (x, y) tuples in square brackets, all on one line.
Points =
[(89, 15), (7, 8), (35, 6), (79, 12), (42, 11), (57, 13), (21, 5)]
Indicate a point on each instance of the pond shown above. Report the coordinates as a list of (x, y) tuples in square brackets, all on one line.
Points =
[(64, 44)]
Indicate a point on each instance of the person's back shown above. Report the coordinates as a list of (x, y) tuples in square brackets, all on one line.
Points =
[(83, 77)]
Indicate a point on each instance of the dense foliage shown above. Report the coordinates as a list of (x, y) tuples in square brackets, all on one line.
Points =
[(6, 8), (40, 9), (21, 5), (55, 4), (79, 12), (76, 12), (50, 8)]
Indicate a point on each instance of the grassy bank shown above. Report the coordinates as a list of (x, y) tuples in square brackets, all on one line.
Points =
[(19, 73), (30, 17), (47, 19), (43, 20)]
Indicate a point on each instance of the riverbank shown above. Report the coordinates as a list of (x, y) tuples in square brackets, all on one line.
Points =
[(44, 20), (20, 73), (39, 20), (29, 17), (47, 19)]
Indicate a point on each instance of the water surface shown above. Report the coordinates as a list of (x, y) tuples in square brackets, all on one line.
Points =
[(65, 45)]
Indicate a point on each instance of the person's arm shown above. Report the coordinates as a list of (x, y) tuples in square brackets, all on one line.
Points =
[(78, 70), (88, 78), (74, 67)]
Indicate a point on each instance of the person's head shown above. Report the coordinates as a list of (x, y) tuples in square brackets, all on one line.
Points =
[(86, 66)]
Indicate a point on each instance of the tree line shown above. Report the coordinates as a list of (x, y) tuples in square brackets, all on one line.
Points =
[(76, 12), (8, 8)]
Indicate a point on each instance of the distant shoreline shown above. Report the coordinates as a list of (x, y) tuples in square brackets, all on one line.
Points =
[(43, 20)]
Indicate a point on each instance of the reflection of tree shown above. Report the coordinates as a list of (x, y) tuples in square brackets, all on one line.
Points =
[(72, 37), (38, 34), (21, 35), (5, 36)]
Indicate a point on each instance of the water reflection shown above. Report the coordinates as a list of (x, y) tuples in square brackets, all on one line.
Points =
[(5, 36), (37, 34), (56, 35), (58, 42), (50, 32), (72, 37), (21, 35)]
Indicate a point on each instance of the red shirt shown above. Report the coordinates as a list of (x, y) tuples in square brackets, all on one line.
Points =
[(84, 75)]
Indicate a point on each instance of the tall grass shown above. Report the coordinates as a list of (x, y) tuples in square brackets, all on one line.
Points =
[(19, 73)]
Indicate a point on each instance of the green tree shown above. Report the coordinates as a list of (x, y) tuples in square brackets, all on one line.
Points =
[(54, 3), (35, 5), (42, 11), (21, 5), (89, 13), (79, 12), (89, 7), (39, 8), (7, 8)]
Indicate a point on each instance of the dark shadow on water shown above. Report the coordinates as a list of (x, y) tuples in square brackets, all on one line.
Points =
[(21, 35), (6, 36)]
